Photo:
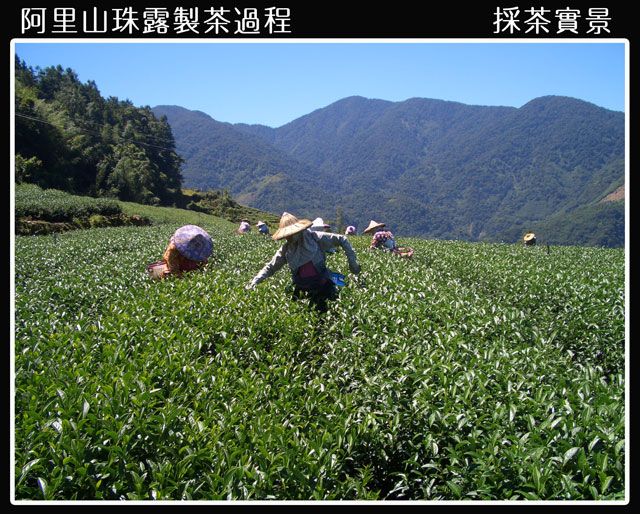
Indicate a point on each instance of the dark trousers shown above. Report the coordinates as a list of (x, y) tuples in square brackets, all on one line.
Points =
[(318, 296)]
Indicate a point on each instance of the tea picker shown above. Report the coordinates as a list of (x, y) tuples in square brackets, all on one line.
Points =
[(244, 228), (262, 228), (319, 225), (189, 249), (529, 239), (384, 240), (304, 251)]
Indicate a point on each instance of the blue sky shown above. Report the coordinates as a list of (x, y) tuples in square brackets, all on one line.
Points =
[(272, 83)]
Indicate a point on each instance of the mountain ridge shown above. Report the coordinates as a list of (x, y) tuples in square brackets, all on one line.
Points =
[(428, 167), (260, 171)]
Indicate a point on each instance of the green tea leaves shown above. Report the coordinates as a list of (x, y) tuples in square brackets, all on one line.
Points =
[(473, 372)]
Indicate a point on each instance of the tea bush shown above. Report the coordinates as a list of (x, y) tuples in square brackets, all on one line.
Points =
[(473, 372), (58, 206)]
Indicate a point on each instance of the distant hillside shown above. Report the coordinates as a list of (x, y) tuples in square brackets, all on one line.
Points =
[(601, 224), (614, 196), (426, 167), (317, 138), (218, 156)]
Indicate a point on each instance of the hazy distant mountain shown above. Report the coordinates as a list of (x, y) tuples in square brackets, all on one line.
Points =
[(218, 156), (428, 167), (318, 137)]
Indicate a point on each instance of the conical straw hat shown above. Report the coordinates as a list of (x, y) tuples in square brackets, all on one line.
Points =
[(290, 225), (373, 225), (529, 236)]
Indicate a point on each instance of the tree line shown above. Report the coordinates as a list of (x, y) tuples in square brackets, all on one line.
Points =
[(68, 137)]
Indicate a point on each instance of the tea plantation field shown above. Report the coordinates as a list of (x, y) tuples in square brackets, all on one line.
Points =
[(471, 372)]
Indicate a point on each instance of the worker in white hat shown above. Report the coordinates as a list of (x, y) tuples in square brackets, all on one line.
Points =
[(262, 228), (319, 225)]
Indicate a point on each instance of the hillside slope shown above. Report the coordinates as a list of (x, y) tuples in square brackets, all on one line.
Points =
[(217, 156), (426, 167)]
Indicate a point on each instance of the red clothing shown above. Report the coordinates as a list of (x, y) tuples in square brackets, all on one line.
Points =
[(177, 263), (308, 277), (307, 270)]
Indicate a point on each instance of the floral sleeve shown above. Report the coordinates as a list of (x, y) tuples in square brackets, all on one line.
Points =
[(172, 258), (380, 238)]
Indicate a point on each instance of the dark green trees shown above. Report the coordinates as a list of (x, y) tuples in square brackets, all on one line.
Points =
[(69, 137)]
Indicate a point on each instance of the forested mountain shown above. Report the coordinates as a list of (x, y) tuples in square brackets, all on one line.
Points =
[(600, 224), (449, 170), (425, 167), (328, 134), (257, 174), (68, 137)]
